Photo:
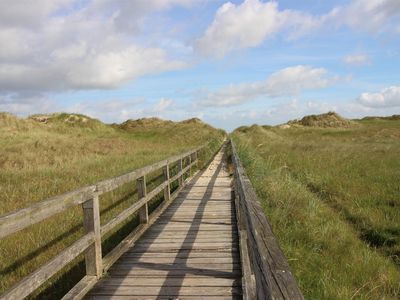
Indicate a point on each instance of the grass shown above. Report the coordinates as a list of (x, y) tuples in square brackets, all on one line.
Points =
[(332, 197), (43, 159)]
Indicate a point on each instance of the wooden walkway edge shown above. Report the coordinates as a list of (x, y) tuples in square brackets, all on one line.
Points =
[(190, 252)]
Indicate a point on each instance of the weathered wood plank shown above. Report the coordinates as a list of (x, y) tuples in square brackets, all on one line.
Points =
[(145, 272), (108, 297), (35, 213), (172, 291), (200, 281), (81, 288), (37, 278), (173, 260)]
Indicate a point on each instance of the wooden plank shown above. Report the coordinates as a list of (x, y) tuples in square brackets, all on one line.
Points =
[(205, 265), (110, 297), (199, 281), (171, 291), (91, 223), (156, 248), (188, 254), (20, 219), (169, 234), (146, 272), (81, 288), (38, 277), (183, 260)]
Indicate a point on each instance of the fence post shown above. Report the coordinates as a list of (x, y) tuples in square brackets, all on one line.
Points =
[(142, 191), (197, 159), (167, 189), (180, 168), (91, 223), (190, 164)]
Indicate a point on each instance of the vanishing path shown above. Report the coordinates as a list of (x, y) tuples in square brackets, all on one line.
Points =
[(190, 252)]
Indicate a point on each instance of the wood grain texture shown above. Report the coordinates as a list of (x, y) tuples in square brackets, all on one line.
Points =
[(191, 251)]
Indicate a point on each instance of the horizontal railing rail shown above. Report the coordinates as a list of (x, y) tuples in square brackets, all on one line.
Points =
[(90, 243), (265, 270)]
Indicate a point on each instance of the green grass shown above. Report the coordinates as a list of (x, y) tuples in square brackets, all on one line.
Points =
[(40, 160), (332, 197)]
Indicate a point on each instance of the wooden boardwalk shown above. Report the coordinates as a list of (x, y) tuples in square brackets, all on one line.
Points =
[(190, 252)]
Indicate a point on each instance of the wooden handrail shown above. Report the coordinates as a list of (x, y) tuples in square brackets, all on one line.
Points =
[(266, 272), (90, 243)]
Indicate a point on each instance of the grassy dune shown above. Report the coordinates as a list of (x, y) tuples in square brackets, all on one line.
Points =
[(332, 197), (42, 157)]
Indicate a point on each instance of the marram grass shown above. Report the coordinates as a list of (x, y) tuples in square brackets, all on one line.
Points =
[(332, 198)]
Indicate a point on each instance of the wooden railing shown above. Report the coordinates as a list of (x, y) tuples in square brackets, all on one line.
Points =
[(90, 243), (266, 273)]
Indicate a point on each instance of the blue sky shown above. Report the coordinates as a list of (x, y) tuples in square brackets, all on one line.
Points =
[(229, 63)]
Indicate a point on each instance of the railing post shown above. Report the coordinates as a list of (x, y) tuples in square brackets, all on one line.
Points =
[(142, 191), (167, 189), (180, 168), (196, 157), (91, 223), (190, 164)]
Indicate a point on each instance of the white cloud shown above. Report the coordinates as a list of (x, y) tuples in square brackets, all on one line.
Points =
[(388, 97), (250, 23), (130, 15), (290, 81), (52, 45), (372, 15), (25, 13), (357, 60)]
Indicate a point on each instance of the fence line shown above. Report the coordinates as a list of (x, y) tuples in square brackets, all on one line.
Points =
[(90, 243)]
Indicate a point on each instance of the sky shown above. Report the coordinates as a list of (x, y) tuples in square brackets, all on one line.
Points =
[(229, 63)]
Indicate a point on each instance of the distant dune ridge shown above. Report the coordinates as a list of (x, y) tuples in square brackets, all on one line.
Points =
[(80, 120), (329, 119)]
